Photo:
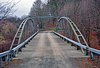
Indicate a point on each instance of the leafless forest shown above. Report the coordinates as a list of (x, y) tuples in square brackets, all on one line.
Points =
[(85, 13)]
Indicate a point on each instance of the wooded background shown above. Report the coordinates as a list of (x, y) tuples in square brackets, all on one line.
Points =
[(84, 13)]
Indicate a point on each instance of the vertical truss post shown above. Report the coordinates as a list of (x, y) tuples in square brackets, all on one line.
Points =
[(97, 58), (91, 56), (86, 51)]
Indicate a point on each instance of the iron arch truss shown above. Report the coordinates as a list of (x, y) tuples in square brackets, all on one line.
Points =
[(28, 26), (67, 27)]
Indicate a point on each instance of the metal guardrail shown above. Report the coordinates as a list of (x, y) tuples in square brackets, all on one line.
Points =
[(12, 51), (88, 49), (25, 42)]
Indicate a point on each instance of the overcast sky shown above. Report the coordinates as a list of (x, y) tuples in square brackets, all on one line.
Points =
[(23, 7)]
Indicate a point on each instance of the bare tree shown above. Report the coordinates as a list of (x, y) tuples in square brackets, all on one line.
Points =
[(96, 16), (7, 8)]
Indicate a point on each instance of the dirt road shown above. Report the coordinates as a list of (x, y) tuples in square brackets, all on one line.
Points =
[(47, 50)]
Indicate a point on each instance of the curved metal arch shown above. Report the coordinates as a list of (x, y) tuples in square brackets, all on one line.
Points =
[(76, 31), (19, 32)]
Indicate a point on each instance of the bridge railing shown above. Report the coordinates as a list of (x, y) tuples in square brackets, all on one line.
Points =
[(8, 54), (87, 49), (25, 42)]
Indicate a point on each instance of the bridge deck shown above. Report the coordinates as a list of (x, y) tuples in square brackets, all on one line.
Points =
[(47, 50)]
